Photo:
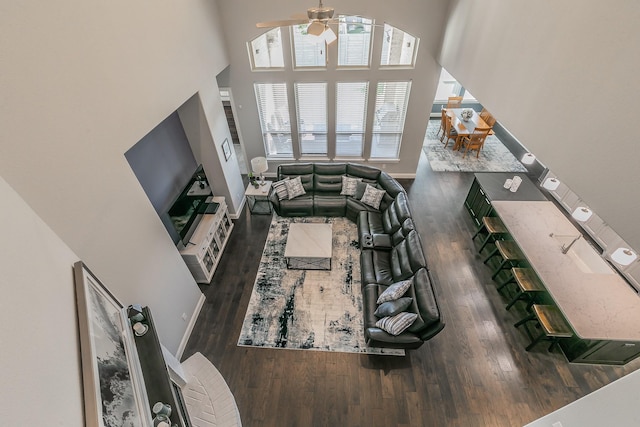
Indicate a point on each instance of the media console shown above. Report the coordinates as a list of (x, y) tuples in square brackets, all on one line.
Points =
[(204, 248)]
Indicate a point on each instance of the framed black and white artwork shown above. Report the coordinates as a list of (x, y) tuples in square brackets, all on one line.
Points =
[(226, 149), (114, 394)]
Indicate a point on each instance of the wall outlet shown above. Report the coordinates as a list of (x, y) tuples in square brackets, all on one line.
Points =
[(556, 424), (184, 316)]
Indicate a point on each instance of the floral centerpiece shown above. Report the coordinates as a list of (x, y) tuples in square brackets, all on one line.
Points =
[(466, 114)]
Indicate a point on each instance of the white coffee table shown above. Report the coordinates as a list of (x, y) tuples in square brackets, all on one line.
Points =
[(309, 246)]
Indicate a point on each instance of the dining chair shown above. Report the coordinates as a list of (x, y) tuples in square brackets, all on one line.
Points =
[(488, 118), (443, 123), (449, 132), (454, 102), (484, 113), (474, 141)]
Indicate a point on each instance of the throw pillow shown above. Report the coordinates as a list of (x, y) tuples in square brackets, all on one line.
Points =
[(295, 188), (391, 308), (360, 190), (397, 324), (280, 188), (349, 185), (372, 196), (394, 291)]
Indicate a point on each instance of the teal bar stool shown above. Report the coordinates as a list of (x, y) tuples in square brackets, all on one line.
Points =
[(494, 228), (511, 255), (552, 323), (529, 286)]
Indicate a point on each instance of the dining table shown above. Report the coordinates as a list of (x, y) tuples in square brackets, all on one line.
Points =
[(464, 127)]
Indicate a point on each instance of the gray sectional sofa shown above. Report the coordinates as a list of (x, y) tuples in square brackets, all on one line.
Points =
[(391, 250)]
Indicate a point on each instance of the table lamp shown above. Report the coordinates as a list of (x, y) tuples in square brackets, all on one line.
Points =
[(259, 165)]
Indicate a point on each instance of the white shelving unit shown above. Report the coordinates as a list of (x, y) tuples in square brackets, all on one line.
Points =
[(207, 243)]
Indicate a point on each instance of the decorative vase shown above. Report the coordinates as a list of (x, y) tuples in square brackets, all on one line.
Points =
[(466, 114)]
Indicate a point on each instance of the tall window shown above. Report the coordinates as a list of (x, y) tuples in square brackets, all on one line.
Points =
[(309, 51), (311, 100), (351, 115), (354, 41), (273, 109), (265, 51), (398, 48), (391, 109), (449, 86)]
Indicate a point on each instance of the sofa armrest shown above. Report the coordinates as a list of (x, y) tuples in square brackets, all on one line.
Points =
[(432, 331), (382, 241), (275, 201), (405, 339)]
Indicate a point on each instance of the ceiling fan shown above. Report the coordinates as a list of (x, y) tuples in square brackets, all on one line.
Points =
[(318, 19)]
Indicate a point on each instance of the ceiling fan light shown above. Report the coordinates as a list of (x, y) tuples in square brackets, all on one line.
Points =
[(329, 36)]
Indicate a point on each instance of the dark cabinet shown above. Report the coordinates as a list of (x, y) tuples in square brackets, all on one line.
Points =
[(477, 203), (600, 352), (489, 187)]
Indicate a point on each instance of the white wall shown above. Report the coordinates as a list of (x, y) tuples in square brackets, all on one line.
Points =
[(40, 353), (205, 124), (82, 82), (424, 19), (615, 404), (562, 77)]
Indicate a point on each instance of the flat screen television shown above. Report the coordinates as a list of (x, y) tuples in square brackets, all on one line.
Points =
[(192, 202)]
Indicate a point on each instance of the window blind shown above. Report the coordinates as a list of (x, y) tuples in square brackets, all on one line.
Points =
[(311, 102), (351, 115), (273, 110), (392, 99)]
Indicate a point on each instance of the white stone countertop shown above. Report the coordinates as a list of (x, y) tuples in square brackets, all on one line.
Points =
[(597, 302)]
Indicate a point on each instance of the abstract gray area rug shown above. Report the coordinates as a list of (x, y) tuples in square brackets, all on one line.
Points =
[(308, 309), (494, 156)]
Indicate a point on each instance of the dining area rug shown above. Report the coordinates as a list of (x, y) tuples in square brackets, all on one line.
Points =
[(308, 309), (494, 156)]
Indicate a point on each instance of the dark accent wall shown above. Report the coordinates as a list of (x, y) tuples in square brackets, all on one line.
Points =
[(163, 162)]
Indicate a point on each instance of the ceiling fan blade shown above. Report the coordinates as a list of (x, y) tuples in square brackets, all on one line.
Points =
[(315, 28), (283, 23)]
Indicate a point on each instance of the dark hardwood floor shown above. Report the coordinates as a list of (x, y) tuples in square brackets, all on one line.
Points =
[(475, 373)]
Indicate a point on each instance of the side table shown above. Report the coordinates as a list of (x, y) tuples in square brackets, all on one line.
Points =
[(258, 198)]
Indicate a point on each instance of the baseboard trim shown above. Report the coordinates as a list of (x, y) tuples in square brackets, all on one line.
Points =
[(237, 214), (192, 323)]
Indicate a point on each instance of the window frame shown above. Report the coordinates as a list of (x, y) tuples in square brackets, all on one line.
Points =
[(414, 54), (376, 119), (370, 42), (252, 60), (363, 133), (300, 119), (263, 123), (294, 64)]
